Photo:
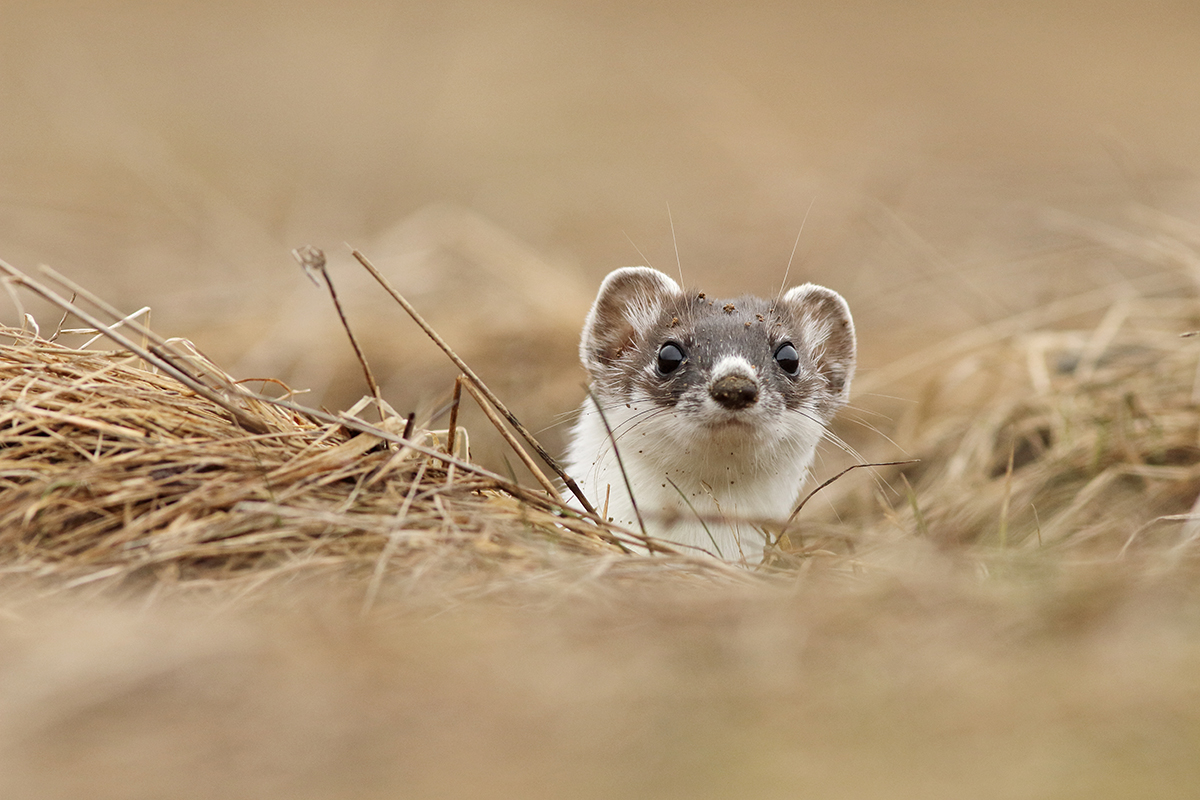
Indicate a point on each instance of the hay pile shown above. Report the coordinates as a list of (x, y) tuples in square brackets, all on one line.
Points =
[(1014, 614), (1076, 444), (110, 469), (1084, 442)]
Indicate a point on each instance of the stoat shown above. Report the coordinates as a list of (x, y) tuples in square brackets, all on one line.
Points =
[(716, 407)]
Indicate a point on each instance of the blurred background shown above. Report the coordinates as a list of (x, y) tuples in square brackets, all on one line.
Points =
[(953, 159), (951, 163)]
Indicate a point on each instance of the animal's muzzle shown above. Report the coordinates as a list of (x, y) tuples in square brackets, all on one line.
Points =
[(734, 392)]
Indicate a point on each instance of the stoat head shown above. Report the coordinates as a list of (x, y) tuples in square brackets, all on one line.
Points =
[(742, 363)]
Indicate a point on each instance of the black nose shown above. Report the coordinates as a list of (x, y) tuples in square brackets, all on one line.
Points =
[(734, 392)]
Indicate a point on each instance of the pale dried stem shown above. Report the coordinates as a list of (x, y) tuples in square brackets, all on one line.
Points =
[(313, 260), (521, 452), (474, 379)]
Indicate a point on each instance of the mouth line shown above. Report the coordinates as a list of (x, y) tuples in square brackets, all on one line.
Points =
[(730, 419)]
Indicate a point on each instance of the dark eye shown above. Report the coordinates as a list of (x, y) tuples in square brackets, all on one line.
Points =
[(670, 357), (786, 357)]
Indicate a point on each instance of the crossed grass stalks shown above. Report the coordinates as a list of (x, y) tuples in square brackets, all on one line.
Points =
[(234, 399)]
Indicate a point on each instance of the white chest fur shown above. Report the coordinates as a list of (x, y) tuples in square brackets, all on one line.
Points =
[(712, 489)]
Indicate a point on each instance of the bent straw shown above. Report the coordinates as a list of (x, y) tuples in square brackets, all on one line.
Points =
[(810, 495), (474, 379), (183, 376), (163, 361), (521, 452), (161, 357), (312, 260)]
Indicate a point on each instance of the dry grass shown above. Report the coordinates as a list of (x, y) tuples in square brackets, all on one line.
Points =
[(1012, 616), (1076, 444), (108, 464), (1066, 434), (115, 473), (994, 633)]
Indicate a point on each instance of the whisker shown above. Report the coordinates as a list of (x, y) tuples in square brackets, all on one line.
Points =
[(883, 396), (864, 410), (627, 425), (675, 241), (843, 445), (787, 271), (880, 484), (865, 424), (642, 255), (565, 418), (883, 435)]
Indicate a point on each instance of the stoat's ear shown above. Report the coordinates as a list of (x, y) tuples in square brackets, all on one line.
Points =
[(826, 330), (630, 300)]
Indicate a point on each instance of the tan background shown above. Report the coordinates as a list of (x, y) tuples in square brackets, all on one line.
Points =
[(496, 159), (962, 161)]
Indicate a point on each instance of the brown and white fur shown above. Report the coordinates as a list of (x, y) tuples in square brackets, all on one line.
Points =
[(715, 406)]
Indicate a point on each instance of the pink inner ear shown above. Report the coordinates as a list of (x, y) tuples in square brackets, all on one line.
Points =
[(614, 338), (823, 310), (628, 299)]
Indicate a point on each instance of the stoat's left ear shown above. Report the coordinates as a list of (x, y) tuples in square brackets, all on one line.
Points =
[(826, 330), (628, 305)]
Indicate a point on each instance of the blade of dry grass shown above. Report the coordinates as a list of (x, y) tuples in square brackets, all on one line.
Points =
[(474, 379), (312, 260), (182, 375)]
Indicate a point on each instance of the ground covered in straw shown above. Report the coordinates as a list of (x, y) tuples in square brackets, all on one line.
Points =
[(210, 594), (110, 470)]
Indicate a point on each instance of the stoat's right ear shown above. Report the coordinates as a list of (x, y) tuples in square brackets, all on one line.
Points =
[(630, 300), (826, 331)]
